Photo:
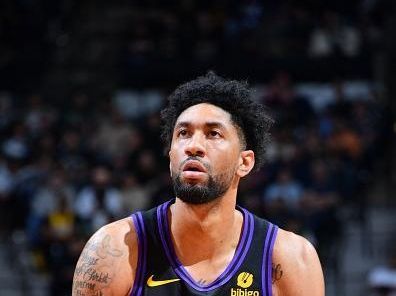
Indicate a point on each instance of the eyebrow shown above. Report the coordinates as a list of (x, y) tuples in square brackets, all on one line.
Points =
[(210, 124)]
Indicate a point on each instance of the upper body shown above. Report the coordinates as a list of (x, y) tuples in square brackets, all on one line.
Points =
[(212, 145)]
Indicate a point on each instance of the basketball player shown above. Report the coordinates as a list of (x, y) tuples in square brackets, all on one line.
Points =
[(201, 242)]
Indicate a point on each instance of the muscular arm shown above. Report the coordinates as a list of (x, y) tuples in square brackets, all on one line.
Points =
[(107, 263), (296, 270)]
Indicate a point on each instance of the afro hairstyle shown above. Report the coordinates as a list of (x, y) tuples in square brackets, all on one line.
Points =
[(250, 117)]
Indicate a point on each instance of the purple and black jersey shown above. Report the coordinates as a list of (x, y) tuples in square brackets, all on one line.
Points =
[(160, 273)]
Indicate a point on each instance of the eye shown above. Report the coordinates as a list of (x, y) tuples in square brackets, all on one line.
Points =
[(182, 133), (214, 134)]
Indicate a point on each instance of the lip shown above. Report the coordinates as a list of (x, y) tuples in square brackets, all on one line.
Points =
[(193, 166), (193, 175)]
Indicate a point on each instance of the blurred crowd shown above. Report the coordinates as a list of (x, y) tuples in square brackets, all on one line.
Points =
[(67, 169), (213, 30), (158, 32), (69, 166)]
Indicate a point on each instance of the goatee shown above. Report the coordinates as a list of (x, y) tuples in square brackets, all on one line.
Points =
[(201, 193)]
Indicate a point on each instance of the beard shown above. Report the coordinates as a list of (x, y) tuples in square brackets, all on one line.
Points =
[(197, 194)]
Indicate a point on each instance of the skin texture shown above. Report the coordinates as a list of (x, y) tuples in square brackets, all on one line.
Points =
[(108, 261), (204, 236), (297, 267)]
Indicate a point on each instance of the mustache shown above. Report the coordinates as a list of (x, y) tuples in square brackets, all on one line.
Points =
[(195, 158)]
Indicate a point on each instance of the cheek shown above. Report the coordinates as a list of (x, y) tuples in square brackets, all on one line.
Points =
[(174, 159), (172, 162), (227, 160)]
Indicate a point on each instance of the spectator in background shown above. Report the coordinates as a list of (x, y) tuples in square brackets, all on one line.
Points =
[(334, 37), (71, 151), (99, 202), (345, 142), (16, 146), (59, 232), (382, 279), (112, 136), (55, 194), (78, 111), (286, 103), (320, 207), (282, 200), (146, 167), (135, 197), (39, 117)]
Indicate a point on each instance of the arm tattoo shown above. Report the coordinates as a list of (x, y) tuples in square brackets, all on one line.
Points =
[(277, 272), (96, 268)]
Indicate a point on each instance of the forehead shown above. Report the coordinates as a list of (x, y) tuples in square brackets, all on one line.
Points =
[(203, 113)]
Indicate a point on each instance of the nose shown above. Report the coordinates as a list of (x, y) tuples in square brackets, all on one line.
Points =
[(195, 146)]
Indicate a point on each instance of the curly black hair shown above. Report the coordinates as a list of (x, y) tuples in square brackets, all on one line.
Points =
[(233, 96)]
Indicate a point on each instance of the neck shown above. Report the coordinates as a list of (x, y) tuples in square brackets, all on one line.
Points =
[(203, 232)]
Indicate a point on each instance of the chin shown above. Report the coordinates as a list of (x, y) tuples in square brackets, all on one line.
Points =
[(198, 190), (196, 194), (194, 182), (197, 200)]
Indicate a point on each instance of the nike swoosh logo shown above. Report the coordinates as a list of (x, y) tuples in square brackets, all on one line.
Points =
[(153, 283)]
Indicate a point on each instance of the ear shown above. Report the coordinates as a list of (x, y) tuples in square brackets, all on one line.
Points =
[(246, 163)]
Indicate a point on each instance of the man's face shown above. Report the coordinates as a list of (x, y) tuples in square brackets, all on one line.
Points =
[(204, 154)]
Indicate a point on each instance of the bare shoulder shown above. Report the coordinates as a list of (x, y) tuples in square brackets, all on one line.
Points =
[(107, 263), (296, 269)]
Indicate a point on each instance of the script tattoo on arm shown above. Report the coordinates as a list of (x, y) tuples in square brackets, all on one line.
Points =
[(96, 267), (277, 272)]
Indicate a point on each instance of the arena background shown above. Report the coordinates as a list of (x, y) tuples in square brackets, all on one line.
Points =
[(81, 87)]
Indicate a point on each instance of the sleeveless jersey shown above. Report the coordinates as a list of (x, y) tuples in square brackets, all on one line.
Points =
[(160, 273)]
